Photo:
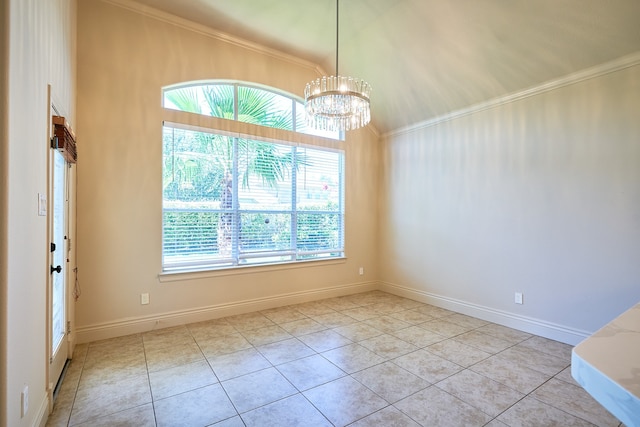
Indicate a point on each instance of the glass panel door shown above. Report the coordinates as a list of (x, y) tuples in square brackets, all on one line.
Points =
[(58, 267)]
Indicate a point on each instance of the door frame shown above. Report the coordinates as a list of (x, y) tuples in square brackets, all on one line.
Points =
[(69, 255)]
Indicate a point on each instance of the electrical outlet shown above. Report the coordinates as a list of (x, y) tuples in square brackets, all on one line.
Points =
[(144, 299), (361, 271), (24, 400), (518, 298)]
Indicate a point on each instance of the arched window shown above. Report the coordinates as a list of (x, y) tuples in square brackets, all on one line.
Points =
[(244, 198), (248, 104)]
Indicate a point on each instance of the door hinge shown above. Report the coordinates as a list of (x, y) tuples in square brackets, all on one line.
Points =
[(50, 360), (68, 326)]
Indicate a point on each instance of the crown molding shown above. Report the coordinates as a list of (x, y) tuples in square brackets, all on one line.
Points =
[(618, 64), (168, 18)]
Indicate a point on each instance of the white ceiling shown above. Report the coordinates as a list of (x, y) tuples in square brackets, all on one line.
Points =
[(425, 58)]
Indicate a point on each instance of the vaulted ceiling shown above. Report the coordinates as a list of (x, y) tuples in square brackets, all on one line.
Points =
[(425, 58)]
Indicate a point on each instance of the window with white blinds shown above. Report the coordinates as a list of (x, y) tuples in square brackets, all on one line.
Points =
[(231, 201)]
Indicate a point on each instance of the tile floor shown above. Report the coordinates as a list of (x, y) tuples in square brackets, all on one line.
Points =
[(371, 359)]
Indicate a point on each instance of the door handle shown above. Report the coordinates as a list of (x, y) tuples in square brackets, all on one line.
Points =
[(57, 269)]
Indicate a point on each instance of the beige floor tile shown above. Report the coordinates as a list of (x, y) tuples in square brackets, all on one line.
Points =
[(344, 401), (218, 346), (409, 304), (534, 359), (458, 352), (80, 353), (387, 324), (466, 321), (200, 407), (167, 357), (434, 407), (257, 389), (325, 340), (113, 358), (283, 314), (489, 396), (387, 308), (372, 297), (412, 317), (109, 397), (160, 343), (358, 331), (244, 322), (230, 422), (418, 336), (565, 375), (352, 358), (508, 334), (211, 329), (574, 400), (361, 313), (443, 327), (427, 365), (112, 367), (114, 344), (338, 360), (433, 311), (166, 337), (291, 412), (388, 416), (334, 320), (390, 381), (266, 335), (340, 304), (310, 372), (496, 423), (554, 348), (530, 412), (517, 377), (387, 346), (231, 365), (141, 416), (313, 308), (285, 351), (484, 342), (179, 379), (303, 327)]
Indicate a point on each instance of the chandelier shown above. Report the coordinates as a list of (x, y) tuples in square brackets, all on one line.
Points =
[(337, 103)]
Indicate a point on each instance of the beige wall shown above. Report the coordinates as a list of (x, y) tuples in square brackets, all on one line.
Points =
[(41, 40), (124, 60), (4, 194), (539, 195)]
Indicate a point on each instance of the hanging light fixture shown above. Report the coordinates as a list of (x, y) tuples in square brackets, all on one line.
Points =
[(337, 103)]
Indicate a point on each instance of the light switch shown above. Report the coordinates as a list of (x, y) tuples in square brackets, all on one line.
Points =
[(42, 204)]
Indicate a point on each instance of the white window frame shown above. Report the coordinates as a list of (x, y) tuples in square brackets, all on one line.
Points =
[(236, 129)]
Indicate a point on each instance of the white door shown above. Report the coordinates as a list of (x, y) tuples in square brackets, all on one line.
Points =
[(58, 269)]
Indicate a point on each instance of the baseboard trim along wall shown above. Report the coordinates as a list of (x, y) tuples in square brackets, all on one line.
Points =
[(43, 413), (164, 320), (527, 324)]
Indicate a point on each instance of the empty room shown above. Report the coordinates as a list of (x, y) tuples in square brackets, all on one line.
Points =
[(320, 213)]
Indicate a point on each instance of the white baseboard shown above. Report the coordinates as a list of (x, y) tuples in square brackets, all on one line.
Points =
[(43, 412), (163, 320), (527, 324)]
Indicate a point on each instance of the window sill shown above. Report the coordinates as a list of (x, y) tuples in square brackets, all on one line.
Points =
[(182, 275)]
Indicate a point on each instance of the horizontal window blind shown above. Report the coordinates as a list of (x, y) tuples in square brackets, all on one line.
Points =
[(231, 201)]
